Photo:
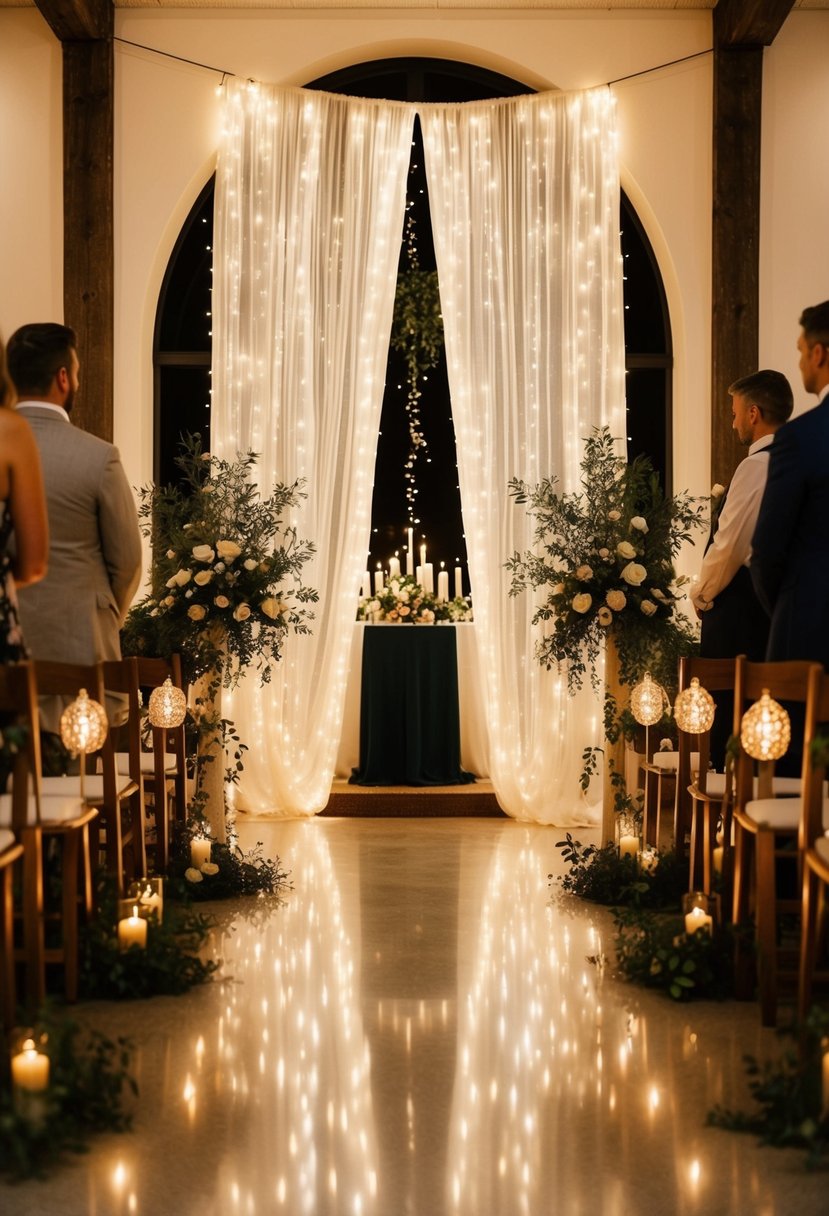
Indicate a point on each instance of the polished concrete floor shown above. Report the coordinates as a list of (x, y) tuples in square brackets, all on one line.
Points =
[(417, 1030)]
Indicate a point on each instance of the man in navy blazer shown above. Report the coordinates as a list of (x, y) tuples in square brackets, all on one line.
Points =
[(790, 548)]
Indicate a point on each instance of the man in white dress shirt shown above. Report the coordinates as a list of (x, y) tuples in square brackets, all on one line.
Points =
[(733, 620)]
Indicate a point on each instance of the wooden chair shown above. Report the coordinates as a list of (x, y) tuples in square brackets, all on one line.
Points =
[(814, 846), (112, 797), (766, 831), (18, 706)]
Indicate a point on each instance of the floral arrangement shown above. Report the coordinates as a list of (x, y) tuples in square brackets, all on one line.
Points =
[(606, 554), (221, 560), (229, 873), (603, 876), (404, 602)]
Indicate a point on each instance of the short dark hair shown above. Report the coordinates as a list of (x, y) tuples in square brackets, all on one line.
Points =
[(770, 391), (814, 322), (36, 353)]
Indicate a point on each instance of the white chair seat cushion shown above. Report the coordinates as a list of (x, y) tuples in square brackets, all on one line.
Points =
[(781, 814), (669, 761), (93, 786), (54, 808), (6, 839), (783, 786), (122, 761)]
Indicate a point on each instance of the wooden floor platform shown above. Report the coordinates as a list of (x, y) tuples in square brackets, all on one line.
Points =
[(412, 801)]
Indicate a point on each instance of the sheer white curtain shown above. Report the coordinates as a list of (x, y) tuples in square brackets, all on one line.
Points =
[(310, 201), (524, 196)]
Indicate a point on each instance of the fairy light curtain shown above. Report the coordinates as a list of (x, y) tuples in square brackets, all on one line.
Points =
[(310, 202), (524, 197)]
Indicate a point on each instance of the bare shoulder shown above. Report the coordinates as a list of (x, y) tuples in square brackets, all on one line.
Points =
[(14, 427)]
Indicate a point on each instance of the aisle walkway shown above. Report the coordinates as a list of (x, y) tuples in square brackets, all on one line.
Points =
[(417, 1032)]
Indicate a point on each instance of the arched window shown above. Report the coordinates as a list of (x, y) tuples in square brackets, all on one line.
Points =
[(182, 346)]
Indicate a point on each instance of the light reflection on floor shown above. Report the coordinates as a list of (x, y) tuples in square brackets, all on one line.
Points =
[(418, 1031)]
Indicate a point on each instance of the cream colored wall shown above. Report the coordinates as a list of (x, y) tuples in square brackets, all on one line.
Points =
[(31, 151), (794, 234)]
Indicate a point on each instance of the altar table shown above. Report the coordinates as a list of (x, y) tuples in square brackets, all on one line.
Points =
[(409, 715)]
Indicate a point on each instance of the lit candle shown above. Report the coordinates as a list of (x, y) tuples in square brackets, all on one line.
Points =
[(458, 582), (394, 567), (428, 579), (153, 901), (696, 919), (30, 1068), (410, 568), (199, 851), (419, 576), (132, 931), (366, 588), (443, 585), (648, 860), (628, 846), (423, 553), (378, 580), (718, 856)]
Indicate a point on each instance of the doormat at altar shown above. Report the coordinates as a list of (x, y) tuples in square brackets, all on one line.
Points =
[(413, 802)]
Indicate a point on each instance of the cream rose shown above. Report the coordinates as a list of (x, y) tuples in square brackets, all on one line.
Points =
[(717, 490), (274, 608), (227, 549), (558, 589), (625, 549), (403, 609), (640, 524), (581, 603), (221, 601), (202, 577), (605, 616), (192, 875), (634, 574), (614, 515), (584, 574), (210, 868), (171, 553), (604, 553), (616, 600), (648, 607), (197, 612), (241, 612), (168, 601), (427, 616), (203, 553), (250, 564)]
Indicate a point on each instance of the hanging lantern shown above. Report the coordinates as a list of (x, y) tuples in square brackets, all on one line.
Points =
[(765, 731), (694, 709), (83, 725), (648, 701), (168, 705)]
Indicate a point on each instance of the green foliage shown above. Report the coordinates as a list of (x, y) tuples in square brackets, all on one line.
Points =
[(168, 966), (417, 324), (606, 554), (601, 876), (225, 570), (89, 1080), (653, 949), (230, 873), (403, 601), (788, 1094)]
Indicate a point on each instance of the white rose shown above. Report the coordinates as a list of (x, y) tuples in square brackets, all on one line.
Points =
[(616, 600), (227, 549), (192, 875), (168, 601), (717, 490), (604, 553), (241, 612), (581, 603), (584, 574), (614, 515), (625, 549), (203, 553), (203, 577), (221, 601), (219, 567), (639, 523), (210, 868), (605, 616), (426, 615), (404, 597), (197, 612), (648, 607), (634, 574), (250, 564), (403, 609)]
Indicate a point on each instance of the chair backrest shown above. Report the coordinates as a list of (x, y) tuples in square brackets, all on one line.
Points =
[(18, 705), (815, 762), (714, 675), (66, 680), (794, 681)]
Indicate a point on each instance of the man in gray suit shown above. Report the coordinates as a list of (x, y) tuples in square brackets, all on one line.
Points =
[(74, 615)]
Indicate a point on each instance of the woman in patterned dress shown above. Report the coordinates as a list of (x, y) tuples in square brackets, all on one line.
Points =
[(22, 512)]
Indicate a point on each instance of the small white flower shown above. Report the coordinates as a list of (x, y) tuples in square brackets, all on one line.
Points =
[(203, 553), (250, 564), (227, 549), (639, 523), (192, 875), (605, 616), (616, 600), (581, 603), (188, 595), (584, 574), (220, 567), (717, 490), (634, 574), (203, 577), (625, 549), (209, 868), (614, 515), (221, 601), (168, 601), (241, 612), (648, 607), (197, 612), (171, 553), (604, 554)]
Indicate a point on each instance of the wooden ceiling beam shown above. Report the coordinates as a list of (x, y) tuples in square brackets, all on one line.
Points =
[(79, 20), (749, 22)]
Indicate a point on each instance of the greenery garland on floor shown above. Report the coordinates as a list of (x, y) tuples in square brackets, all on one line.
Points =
[(168, 966), (601, 876), (89, 1080), (228, 874), (653, 949), (788, 1094)]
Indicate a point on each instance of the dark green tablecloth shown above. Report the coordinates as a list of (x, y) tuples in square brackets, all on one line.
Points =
[(409, 718)]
